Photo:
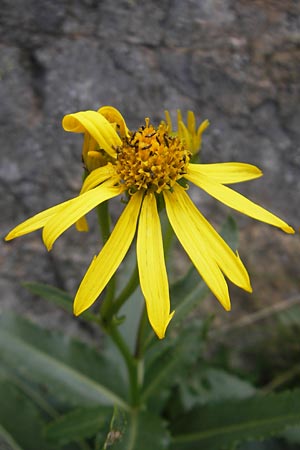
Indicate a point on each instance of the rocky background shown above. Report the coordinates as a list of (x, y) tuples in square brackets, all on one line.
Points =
[(235, 62)]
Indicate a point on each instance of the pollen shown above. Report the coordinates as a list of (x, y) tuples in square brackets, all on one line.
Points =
[(151, 159)]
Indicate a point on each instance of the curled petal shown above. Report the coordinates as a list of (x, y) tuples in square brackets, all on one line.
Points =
[(97, 126), (114, 116)]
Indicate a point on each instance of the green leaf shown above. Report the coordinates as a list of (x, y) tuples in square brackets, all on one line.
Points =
[(64, 369), (219, 426), (6, 441), (292, 434), (186, 294), (229, 233), (79, 424), (137, 431), (207, 385), (58, 297), (168, 358), (20, 420)]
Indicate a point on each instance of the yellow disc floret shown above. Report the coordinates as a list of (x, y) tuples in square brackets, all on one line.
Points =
[(151, 159)]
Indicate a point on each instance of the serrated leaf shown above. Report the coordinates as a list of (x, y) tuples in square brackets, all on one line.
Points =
[(226, 424), (79, 424), (172, 355), (138, 431), (207, 385), (65, 369)]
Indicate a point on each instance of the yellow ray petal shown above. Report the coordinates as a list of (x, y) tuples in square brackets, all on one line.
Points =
[(92, 180), (183, 227), (152, 269), (106, 263), (184, 135), (169, 122), (35, 222), (191, 122), (225, 173), (97, 126), (89, 143), (237, 201), (97, 177), (114, 116), (82, 225), (201, 229), (202, 127), (81, 206)]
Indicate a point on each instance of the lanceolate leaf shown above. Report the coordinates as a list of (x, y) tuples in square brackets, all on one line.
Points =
[(56, 296), (221, 426), (79, 424), (21, 423), (70, 372)]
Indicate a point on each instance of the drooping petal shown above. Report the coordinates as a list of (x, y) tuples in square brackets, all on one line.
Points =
[(97, 126), (35, 222), (225, 173), (183, 226), (106, 263), (74, 211), (237, 201), (114, 116), (97, 177), (201, 229), (152, 269)]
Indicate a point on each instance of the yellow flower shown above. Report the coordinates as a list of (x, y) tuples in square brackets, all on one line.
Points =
[(144, 165)]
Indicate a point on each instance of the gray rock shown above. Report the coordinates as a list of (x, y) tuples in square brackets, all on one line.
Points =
[(235, 63)]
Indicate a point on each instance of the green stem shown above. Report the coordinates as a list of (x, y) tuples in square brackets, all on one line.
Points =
[(104, 225), (104, 220), (139, 346), (130, 287), (168, 239), (131, 363)]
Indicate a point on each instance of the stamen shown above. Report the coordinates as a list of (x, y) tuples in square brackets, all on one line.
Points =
[(151, 159)]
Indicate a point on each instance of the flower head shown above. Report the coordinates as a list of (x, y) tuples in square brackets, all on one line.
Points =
[(147, 164)]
